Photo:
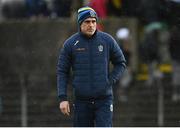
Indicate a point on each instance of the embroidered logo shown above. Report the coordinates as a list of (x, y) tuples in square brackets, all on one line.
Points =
[(80, 49), (76, 42), (100, 48), (92, 14), (111, 108)]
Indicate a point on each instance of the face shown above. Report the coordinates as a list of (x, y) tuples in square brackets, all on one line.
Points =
[(88, 26)]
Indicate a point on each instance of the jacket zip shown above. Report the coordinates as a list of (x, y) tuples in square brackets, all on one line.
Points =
[(91, 66)]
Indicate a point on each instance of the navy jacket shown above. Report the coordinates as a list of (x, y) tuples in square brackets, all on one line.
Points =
[(89, 59)]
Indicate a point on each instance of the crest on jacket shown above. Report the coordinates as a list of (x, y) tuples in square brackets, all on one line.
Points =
[(100, 48)]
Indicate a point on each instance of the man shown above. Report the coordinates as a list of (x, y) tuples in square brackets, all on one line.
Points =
[(89, 53)]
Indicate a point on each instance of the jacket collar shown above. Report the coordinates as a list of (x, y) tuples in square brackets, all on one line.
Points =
[(86, 37)]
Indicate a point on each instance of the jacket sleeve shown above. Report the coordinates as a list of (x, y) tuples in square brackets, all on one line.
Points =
[(118, 60), (63, 71)]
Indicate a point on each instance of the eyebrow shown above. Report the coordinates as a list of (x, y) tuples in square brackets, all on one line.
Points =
[(90, 20)]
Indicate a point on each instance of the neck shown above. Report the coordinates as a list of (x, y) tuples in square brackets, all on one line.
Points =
[(88, 36)]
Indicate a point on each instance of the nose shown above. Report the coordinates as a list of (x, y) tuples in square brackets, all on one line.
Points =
[(91, 23)]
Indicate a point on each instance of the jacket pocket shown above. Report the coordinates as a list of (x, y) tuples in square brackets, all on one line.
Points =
[(108, 82)]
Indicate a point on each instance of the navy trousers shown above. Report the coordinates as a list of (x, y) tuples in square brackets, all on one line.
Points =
[(92, 113)]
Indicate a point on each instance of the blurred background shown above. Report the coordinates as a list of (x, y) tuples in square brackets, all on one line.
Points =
[(32, 33)]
